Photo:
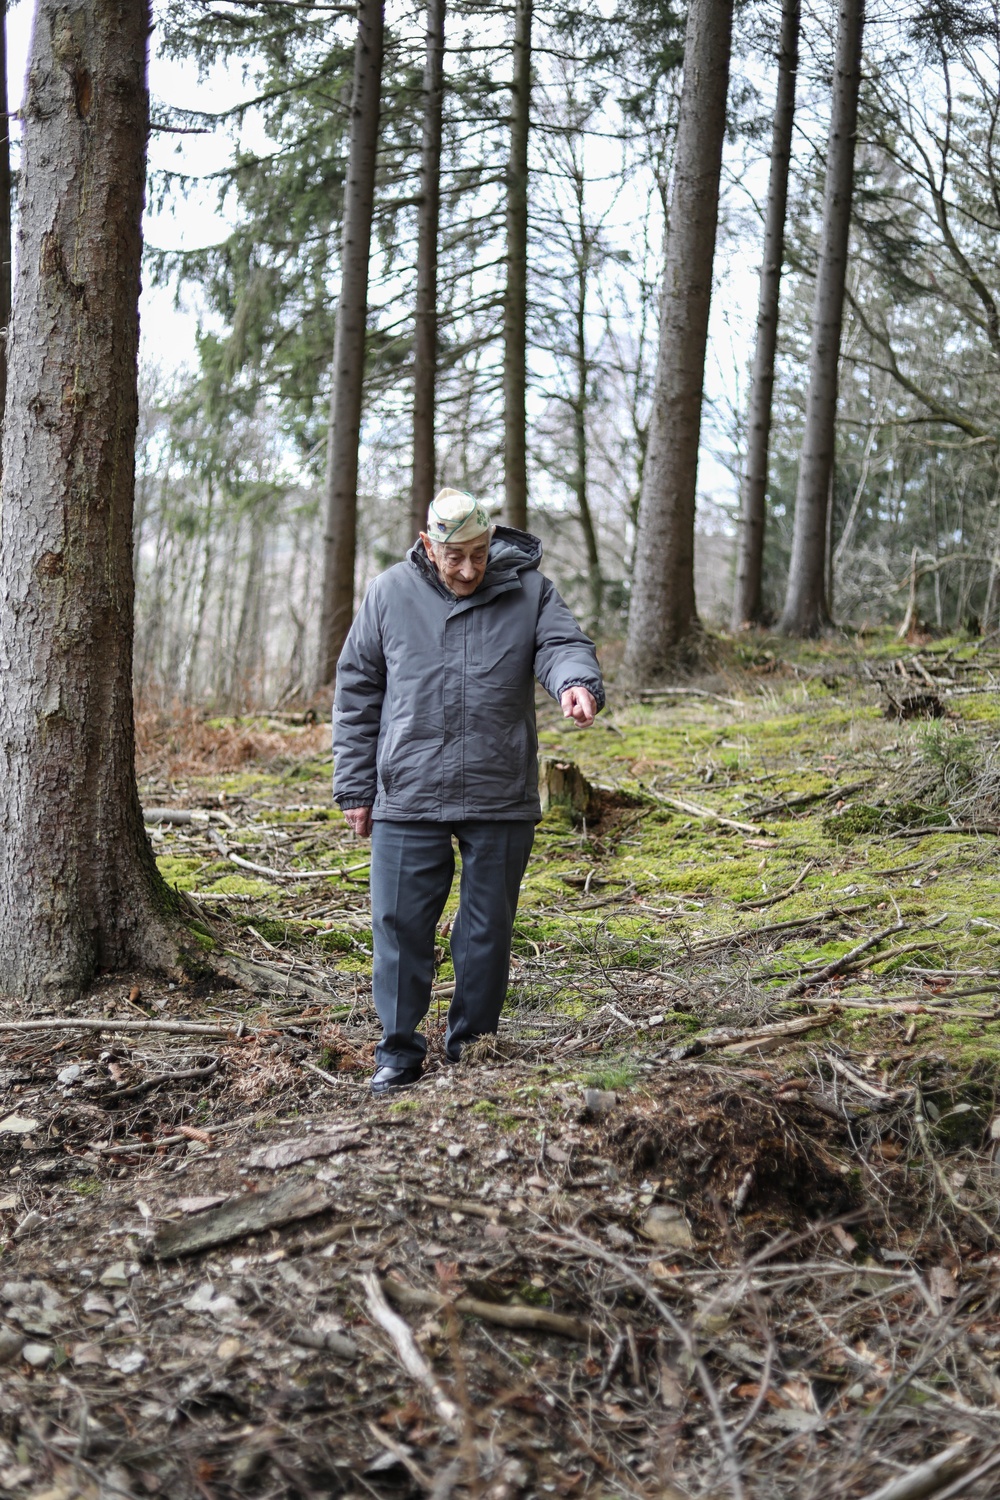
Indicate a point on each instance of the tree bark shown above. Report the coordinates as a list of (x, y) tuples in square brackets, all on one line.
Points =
[(807, 610), (664, 632), (79, 888), (515, 307), (340, 540), (748, 606), (5, 211), (425, 344)]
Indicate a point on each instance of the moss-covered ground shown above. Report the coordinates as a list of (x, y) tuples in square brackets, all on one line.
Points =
[(841, 827)]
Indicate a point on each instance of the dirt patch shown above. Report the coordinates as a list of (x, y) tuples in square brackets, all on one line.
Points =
[(731, 1149)]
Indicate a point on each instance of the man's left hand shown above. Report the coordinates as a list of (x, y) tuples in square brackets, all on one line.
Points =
[(579, 705)]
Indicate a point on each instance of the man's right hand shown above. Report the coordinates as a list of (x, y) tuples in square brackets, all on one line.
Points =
[(360, 819)]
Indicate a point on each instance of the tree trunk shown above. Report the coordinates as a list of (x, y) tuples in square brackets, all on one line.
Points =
[(515, 307), (807, 610), (340, 540), (748, 605), (79, 889), (5, 210), (425, 344), (664, 632), (581, 464)]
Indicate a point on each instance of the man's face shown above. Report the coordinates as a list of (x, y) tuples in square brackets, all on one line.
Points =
[(460, 565)]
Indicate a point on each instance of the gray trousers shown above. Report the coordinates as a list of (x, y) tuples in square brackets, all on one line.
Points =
[(413, 865)]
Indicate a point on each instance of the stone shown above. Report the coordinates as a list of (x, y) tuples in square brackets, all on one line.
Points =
[(666, 1225), (11, 1343), (37, 1355)]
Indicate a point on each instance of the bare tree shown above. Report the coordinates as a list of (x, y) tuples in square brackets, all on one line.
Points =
[(425, 344), (748, 603), (5, 208), (664, 631), (79, 888), (515, 309), (807, 610), (340, 541)]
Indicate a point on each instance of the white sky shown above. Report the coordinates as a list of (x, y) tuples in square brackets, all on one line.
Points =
[(168, 332)]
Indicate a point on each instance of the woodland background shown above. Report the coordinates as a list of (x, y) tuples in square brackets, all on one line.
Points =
[(233, 452)]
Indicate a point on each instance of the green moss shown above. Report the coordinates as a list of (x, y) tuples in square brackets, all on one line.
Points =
[(853, 822), (178, 871), (617, 1077), (336, 941)]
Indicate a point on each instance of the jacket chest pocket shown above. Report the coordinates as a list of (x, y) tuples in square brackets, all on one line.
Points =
[(493, 645)]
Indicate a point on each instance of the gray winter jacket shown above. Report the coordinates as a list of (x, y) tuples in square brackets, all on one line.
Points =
[(434, 713)]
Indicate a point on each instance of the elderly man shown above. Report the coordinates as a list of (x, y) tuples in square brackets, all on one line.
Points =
[(434, 737)]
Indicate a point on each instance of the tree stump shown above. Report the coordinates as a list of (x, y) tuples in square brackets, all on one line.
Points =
[(561, 783)]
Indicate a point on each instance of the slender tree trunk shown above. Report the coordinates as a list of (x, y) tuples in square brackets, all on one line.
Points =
[(807, 609), (581, 465), (5, 211), (515, 307), (340, 541), (79, 889), (748, 605), (664, 632), (425, 344)]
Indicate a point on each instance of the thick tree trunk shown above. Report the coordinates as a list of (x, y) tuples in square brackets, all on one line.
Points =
[(79, 889), (5, 210), (340, 540), (425, 344), (664, 632), (807, 610), (515, 307), (748, 602)]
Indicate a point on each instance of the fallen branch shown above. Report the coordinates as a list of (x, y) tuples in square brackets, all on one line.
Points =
[(538, 1319), (343, 872), (713, 817), (183, 816), (248, 1214), (410, 1357), (743, 1040), (845, 961), (927, 1478), (107, 1023), (186, 1075), (661, 695), (782, 895), (941, 1177)]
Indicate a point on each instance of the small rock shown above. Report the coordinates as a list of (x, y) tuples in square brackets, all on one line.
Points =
[(114, 1275), (457, 1149), (72, 1073), (616, 1235), (230, 1348), (86, 1354), (11, 1344), (128, 1361), (599, 1101), (28, 1224), (17, 1125), (94, 1302), (37, 1355), (666, 1225), (205, 1299)]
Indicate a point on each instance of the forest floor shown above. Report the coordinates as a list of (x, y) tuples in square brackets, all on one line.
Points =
[(716, 1215)]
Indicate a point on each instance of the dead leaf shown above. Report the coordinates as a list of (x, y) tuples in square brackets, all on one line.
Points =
[(942, 1284)]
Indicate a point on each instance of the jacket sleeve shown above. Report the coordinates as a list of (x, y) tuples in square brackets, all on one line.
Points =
[(564, 655), (357, 708)]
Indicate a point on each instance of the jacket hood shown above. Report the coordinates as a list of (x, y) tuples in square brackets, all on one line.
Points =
[(511, 552)]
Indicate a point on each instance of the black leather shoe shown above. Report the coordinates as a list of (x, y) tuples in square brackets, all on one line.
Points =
[(386, 1079)]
